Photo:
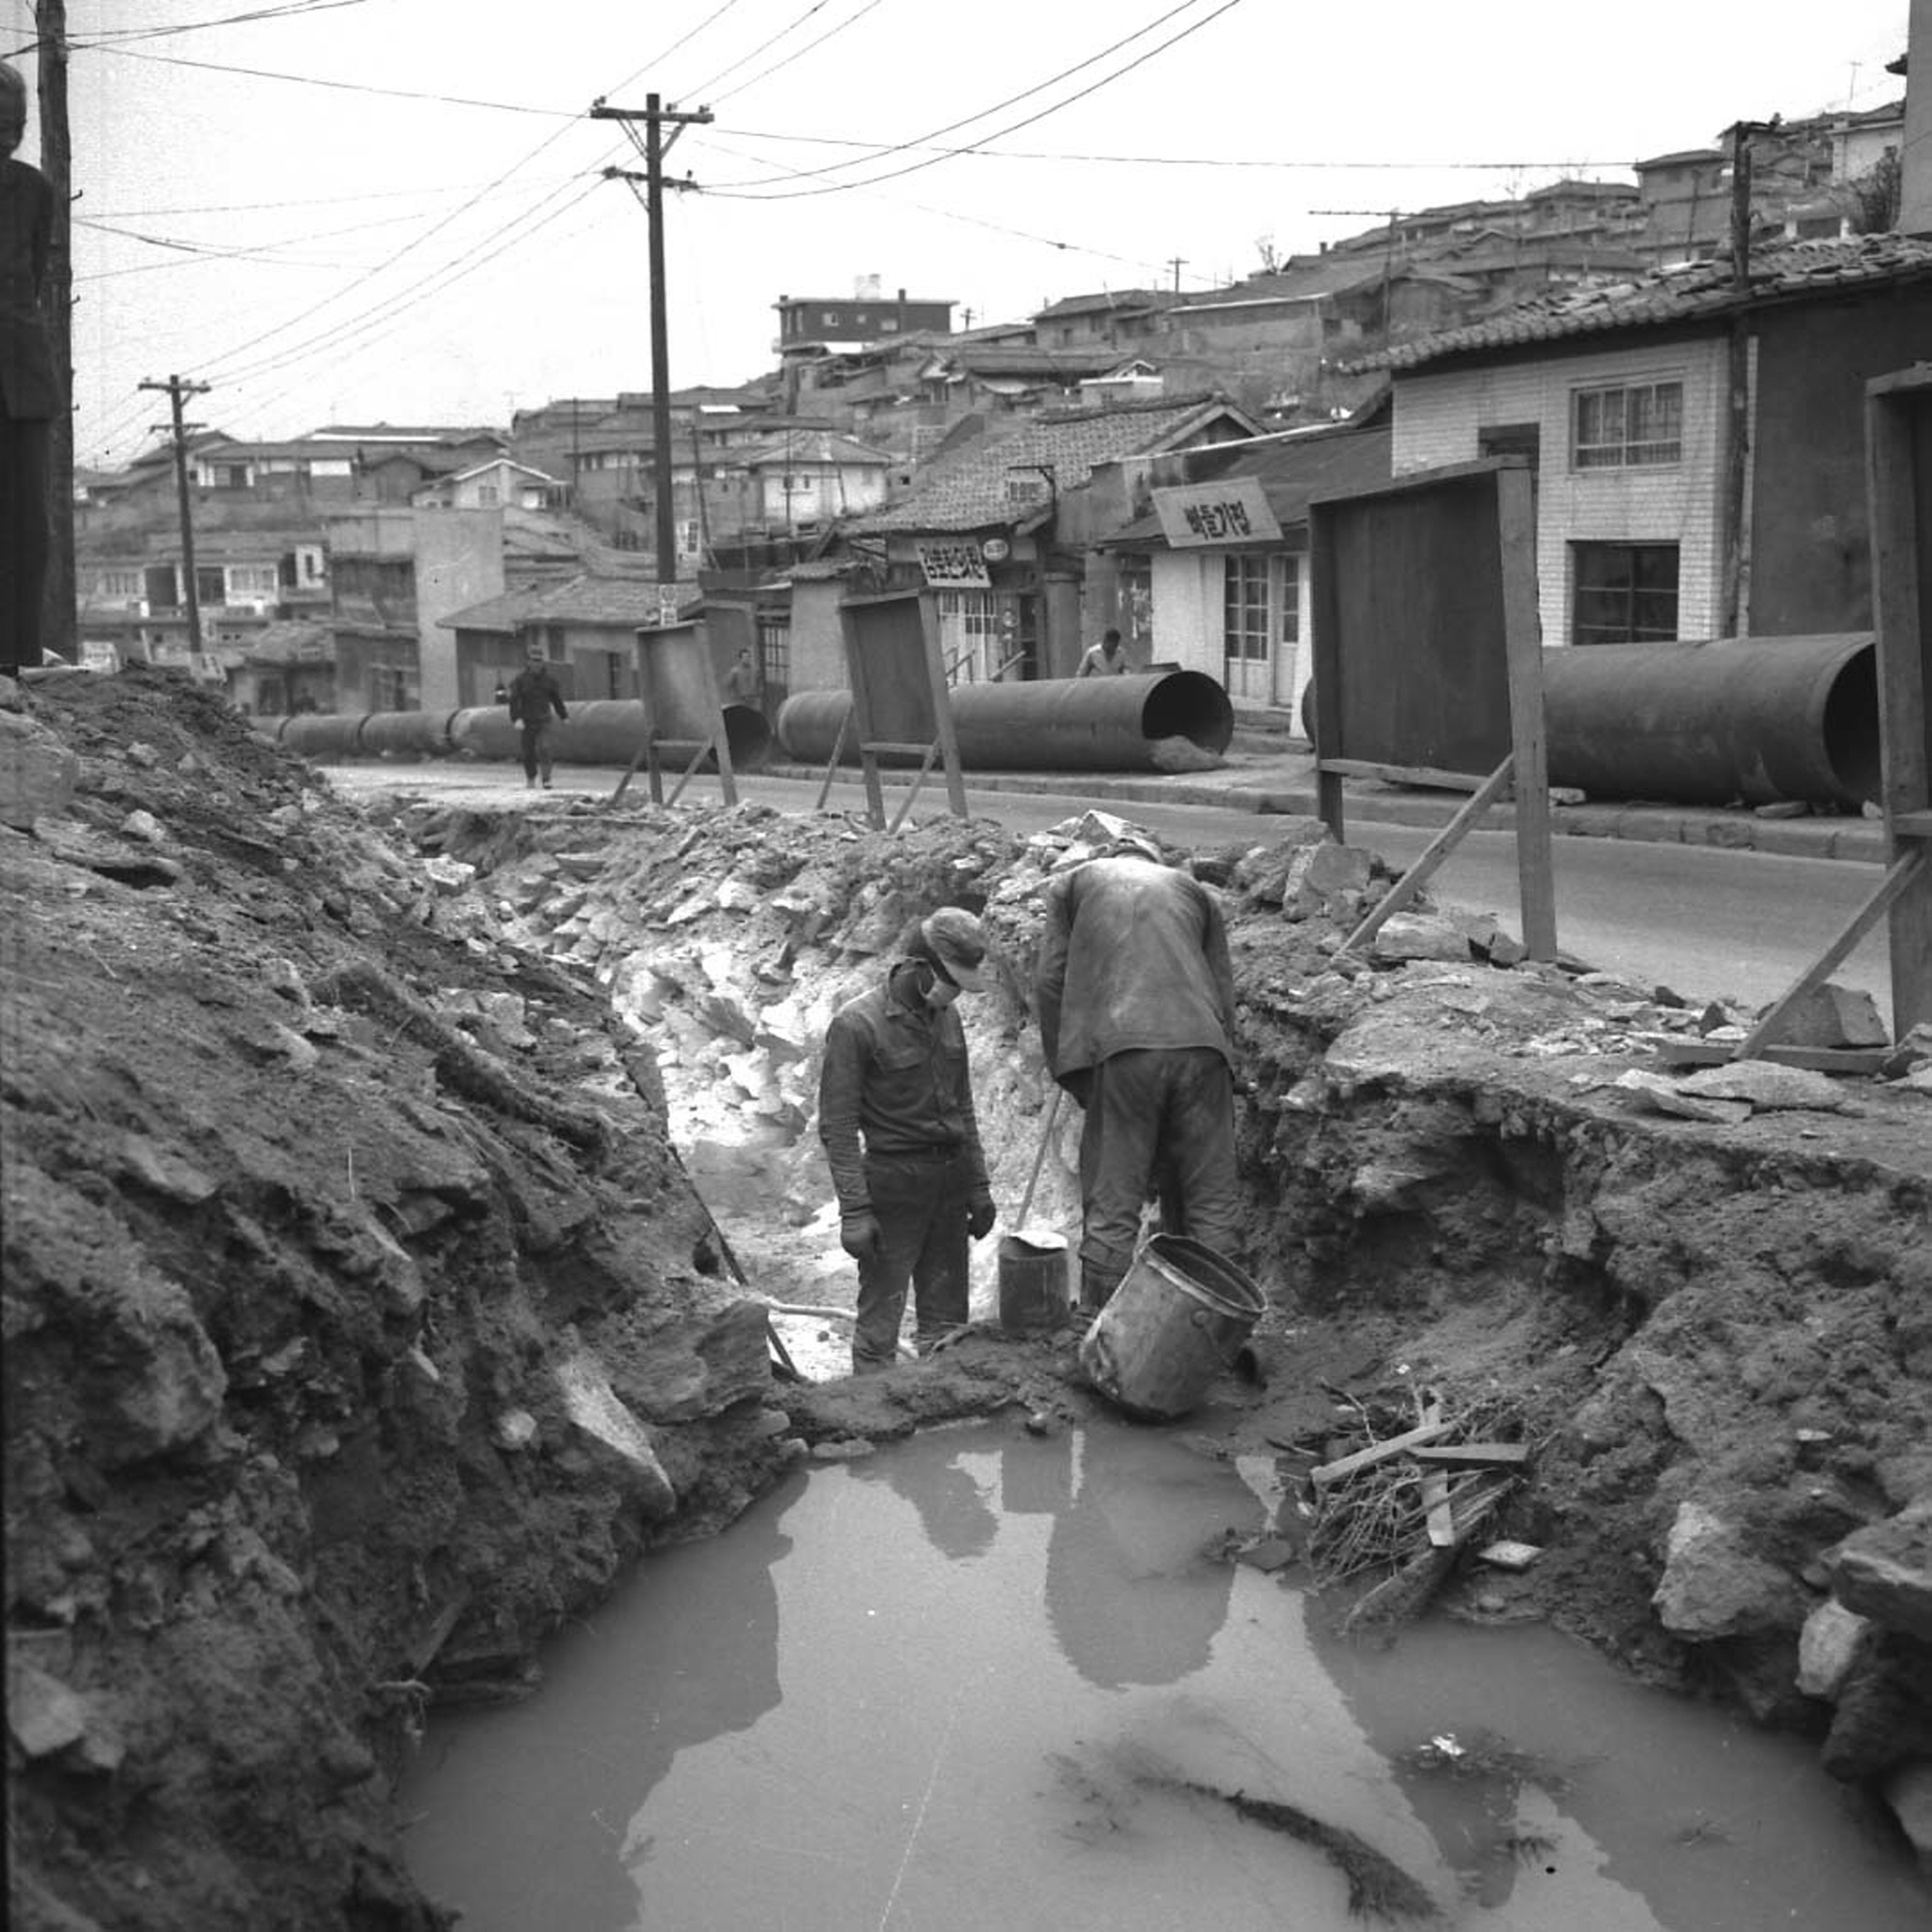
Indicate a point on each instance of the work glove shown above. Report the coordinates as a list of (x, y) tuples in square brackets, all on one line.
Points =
[(861, 1235), (981, 1214)]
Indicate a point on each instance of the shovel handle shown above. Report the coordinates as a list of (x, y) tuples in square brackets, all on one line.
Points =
[(1039, 1158)]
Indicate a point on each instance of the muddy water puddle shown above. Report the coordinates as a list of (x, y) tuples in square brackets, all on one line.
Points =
[(988, 1679)]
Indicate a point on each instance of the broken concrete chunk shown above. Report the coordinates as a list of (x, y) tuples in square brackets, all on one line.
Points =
[(1664, 1097), (1834, 1015), (515, 1429), (1885, 1571), (1506, 1555), (1827, 1646), (1714, 1587), (596, 1409), (1421, 935), (1766, 1086), (44, 1715), (450, 876)]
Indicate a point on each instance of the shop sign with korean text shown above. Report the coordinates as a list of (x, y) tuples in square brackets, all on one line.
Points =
[(1235, 511), (954, 566)]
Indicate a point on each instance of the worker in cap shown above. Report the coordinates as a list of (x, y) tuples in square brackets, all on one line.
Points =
[(535, 698), (896, 1118), (1135, 994)]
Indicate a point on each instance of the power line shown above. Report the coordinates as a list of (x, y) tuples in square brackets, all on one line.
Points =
[(998, 106), (797, 54), (1055, 108)]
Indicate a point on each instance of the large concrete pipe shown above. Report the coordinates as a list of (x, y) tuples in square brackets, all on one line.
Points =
[(605, 731), (1766, 719), (1156, 721), (1760, 719), (410, 735), (324, 734)]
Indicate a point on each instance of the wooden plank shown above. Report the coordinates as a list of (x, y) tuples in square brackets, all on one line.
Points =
[(913, 790), (1378, 1452), (900, 749), (1912, 824), (1432, 855), (1819, 1059), (1416, 774), (1474, 1455), (1522, 645), (1441, 1517), (1821, 969)]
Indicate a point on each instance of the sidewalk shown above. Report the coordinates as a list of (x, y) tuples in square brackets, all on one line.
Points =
[(1266, 772)]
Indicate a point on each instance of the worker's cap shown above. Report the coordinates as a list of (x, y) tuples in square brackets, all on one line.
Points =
[(959, 943)]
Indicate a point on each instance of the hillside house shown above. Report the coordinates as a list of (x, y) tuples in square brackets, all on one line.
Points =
[(1215, 575), (802, 482), (999, 529), (1621, 400), (498, 482), (275, 471)]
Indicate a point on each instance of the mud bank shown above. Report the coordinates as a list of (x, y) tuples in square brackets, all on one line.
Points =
[(363, 1321)]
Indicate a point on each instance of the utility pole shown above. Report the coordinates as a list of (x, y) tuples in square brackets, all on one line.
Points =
[(177, 389), (656, 144), (1733, 592), (1177, 263), (58, 603)]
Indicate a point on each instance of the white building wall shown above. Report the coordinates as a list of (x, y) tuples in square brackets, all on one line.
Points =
[(1187, 610), (1437, 417)]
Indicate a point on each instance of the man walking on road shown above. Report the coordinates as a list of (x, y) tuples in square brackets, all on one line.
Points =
[(1135, 994), (1106, 658), (535, 697), (894, 1077)]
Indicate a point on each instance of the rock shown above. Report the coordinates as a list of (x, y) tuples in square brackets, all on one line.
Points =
[(1827, 1646), (165, 1172), (38, 772), (1421, 935), (596, 1409), (450, 876), (1664, 1096), (1834, 1015), (143, 754), (1883, 1571), (1714, 1587), (1909, 1793), (44, 1715), (515, 1429), (1766, 1086), (1912, 1053), (142, 825)]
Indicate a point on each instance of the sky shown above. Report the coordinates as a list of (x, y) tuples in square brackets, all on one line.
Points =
[(395, 210)]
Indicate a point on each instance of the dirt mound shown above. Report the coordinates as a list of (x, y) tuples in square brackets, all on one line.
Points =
[(360, 1321)]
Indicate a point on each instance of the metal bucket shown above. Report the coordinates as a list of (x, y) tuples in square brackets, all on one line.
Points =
[(1177, 1318), (1034, 1297)]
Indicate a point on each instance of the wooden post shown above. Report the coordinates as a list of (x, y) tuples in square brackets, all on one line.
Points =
[(1522, 645), (1898, 459)]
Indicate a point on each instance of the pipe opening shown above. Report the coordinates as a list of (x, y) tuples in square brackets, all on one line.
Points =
[(1190, 704), (1851, 727)]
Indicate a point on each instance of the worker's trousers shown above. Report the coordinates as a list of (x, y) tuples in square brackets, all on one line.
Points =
[(1157, 1119), (536, 749), (920, 1203)]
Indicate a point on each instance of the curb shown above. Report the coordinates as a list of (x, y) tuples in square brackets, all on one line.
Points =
[(1738, 831)]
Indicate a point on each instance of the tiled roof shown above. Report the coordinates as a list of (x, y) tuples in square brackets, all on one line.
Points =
[(290, 642), (1293, 470), (814, 446), (1304, 279), (1701, 292), (621, 601), (968, 491), (1108, 302)]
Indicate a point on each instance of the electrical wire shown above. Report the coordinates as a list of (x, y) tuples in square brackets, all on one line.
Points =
[(1026, 121), (983, 113)]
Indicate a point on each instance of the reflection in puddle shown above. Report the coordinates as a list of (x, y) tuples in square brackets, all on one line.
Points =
[(989, 1678)]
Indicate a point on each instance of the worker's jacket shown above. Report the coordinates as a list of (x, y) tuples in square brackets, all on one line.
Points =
[(533, 696), (895, 1073), (1134, 955)]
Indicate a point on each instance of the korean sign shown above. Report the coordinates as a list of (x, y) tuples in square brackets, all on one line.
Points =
[(950, 566), (1234, 511)]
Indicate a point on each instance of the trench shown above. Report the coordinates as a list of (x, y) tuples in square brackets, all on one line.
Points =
[(992, 1678)]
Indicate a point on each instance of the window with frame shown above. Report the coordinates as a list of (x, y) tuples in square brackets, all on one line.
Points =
[(1625, 593), (1244, 624), (1628, 426), (118, 583)]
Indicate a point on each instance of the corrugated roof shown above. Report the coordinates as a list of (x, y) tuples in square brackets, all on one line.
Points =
[(1291, 470), (291, 641), (1703, 292), (1108, 302), (968, 491), (814, 446)]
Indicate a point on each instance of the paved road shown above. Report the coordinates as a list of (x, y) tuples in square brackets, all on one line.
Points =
[(1705, 921)]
